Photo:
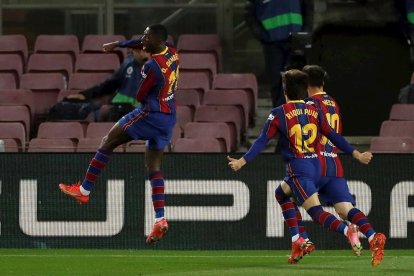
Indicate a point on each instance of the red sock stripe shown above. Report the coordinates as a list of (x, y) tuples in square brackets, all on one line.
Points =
[(158, 203), (91, 177), (334, 225), (287, 206), (323, 217), (298, 215), (157, 190), (357, 217), (364, 228), (292, 222), (157, 175), (302, 229), (97, 164)]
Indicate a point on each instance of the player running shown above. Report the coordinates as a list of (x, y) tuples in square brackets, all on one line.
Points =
[(153, 121), (299, 125)]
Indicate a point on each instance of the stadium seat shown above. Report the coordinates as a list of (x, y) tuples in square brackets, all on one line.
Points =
[(61, 130), (17, 113), (392, 145), (18, 97), (194, 81), (8, 81), (98, 130), (188, 97), (92, 144), (10, 145), (246, 82), (97, 63), (199, 62), (237, 98), (397, 129), (204, 43), (81, 81), (216, 130), (402, 112), (50, 63), (12, 64), (199, 145), (50, 145), (93, 44), (62, 44), (14, 131), (184, 116), (14, 44), (45, 88), (231, 115)]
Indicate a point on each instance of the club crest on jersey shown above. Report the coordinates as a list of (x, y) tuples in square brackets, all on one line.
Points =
[(271, 117), (144, 76)]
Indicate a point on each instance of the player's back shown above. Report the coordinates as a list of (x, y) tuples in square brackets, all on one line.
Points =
[(327, 152), (298, 126), (162, 70)]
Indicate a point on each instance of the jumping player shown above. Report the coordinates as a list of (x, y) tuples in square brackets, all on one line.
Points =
[(153, 121), (299, 125), (332, 187)]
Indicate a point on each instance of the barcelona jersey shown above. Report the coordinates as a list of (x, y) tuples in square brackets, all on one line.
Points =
[(299, 125), (159, 80), (327, 152)]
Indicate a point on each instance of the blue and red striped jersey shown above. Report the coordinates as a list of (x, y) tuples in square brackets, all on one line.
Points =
[(327, 152), (159, 79), (299, 125)]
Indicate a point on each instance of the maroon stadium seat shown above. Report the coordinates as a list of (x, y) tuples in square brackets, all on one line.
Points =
[(204, 43), (92, 144), (14, 131), (98, 130), (12, 64), (97, 63), (17, 113), (62, 44), (50, 63), (397, 129), (81, 81), (10, 145), (402, 112), (188, 97), (195, 81), (61, 130), (18, 97), (93, 44), (199, 62), (8, 81), (392, 145), (45, 88), (231, 115), (237, 98), (184, 116), (51, 145), (199, 145), (14, 44), (219, 131), (246, 82)]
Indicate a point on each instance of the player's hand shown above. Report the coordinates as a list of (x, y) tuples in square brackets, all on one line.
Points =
[(107, 47), (364, 157), (236, 164), (78, 96)]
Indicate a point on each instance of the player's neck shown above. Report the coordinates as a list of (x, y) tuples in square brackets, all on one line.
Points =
[(314, 90), (159, 49)]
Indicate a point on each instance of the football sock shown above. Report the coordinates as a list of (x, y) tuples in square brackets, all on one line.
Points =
[(157, 183), (96, 165), (301, 225), (288, 211), (327, 220), (357, 217)]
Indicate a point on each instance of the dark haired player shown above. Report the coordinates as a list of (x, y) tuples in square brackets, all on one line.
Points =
[(299, 126), (153, 121)]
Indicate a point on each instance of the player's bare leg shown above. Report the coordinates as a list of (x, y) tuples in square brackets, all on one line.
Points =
[(80, 191), (153, 160)]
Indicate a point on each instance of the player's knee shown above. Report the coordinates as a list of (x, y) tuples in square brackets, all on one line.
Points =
[(342, 214)]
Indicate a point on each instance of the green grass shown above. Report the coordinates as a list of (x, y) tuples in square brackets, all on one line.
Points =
[(163, 262)]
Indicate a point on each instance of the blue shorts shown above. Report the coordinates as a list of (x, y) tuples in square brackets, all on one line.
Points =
[(302, 176), (154, 127), (333, 190)]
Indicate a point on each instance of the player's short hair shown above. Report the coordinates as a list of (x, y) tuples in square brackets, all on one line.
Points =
[(316, 74), (160, 31), (295, 84)]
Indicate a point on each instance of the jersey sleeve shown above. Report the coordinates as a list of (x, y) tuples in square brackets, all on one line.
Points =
[(334, 137), (268, 132), (146, 83)]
